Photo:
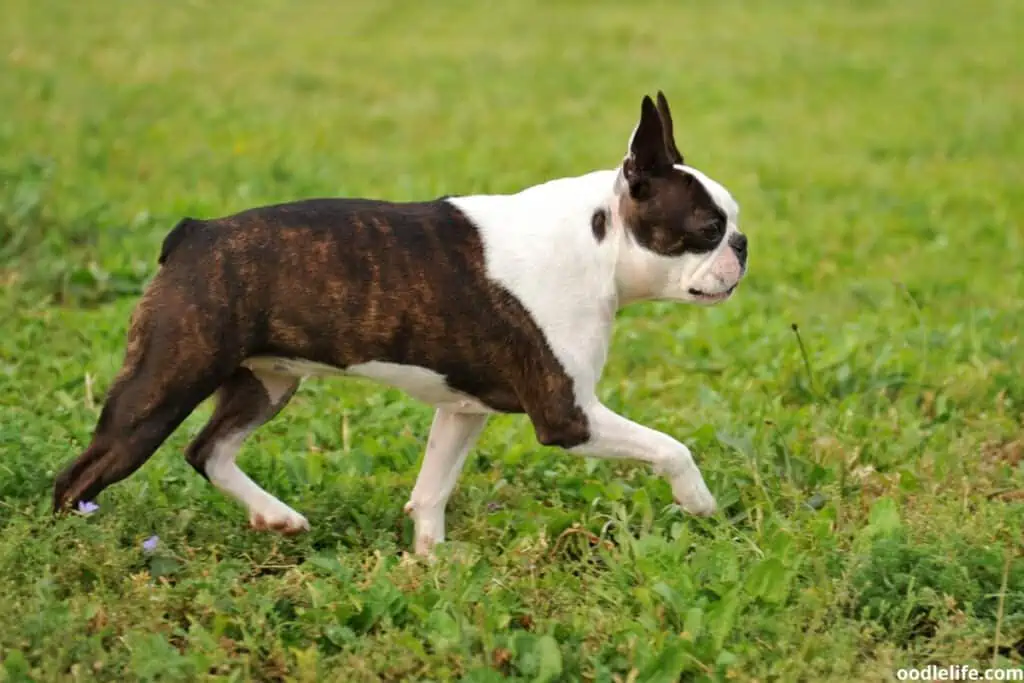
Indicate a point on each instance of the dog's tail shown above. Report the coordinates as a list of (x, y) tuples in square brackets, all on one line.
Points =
[(185, 227)]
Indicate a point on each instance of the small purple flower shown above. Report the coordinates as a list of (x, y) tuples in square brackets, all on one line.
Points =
[(149, 545), (87, 507)]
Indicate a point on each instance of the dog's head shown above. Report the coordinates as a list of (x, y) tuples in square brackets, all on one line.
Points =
[(681, 238)]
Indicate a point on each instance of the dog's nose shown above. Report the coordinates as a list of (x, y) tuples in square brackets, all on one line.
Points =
[(738, 242)]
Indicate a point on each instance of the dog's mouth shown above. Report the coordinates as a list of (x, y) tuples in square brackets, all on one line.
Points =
[(701, 295)]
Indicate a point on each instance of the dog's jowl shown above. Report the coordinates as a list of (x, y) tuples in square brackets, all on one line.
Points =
[(473, 304)]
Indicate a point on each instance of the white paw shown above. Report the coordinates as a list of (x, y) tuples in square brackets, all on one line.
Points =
[(424, 545), (693, 496), (279, 518), (429, 523)]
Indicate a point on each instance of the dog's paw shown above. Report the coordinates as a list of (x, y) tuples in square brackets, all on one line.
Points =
[(694, 497), (424, 546), (429, 523), (281, 519)]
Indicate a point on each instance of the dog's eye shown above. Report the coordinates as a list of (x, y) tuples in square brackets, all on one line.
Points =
[(712, 230)]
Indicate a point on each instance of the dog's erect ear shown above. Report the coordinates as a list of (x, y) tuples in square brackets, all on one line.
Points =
[(666, 129), (647, 153)]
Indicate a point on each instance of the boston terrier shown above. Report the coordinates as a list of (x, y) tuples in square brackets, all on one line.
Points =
[(479, 304)]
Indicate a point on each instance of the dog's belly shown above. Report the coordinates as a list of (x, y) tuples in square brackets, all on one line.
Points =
[(421, 384)]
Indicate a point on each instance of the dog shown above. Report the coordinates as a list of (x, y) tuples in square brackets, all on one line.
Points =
[(475, 305)]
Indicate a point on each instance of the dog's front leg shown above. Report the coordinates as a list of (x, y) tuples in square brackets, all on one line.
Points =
[(613, 436), (452, 435)]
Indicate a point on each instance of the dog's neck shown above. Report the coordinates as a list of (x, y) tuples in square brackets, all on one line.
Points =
[(569, 205), (633, 277)]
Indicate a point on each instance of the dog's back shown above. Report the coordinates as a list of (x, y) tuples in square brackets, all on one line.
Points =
[(333, 281)]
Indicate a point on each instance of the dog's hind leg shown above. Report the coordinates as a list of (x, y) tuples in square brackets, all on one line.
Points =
[(172, 363), (119, 449), (245, 401), (141, 410)]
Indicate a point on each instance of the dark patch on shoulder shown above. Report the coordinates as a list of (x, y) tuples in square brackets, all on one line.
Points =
[(599, 224)]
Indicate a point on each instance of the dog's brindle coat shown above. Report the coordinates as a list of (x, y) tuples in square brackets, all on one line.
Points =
[(427, 296)]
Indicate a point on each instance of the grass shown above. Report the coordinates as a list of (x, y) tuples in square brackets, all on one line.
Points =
[(872, 480)]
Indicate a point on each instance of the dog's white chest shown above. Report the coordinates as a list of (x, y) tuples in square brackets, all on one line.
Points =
[(421, 384)]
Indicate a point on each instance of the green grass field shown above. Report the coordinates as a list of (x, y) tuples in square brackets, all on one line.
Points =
[(873, 495)]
